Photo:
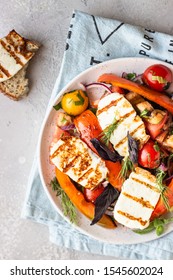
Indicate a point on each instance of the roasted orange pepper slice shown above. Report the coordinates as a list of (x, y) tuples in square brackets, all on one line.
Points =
[(88, 126), (152, 95), (77, 198)]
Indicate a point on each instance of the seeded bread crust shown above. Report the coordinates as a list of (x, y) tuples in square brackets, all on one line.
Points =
[(22, 50), (17, 86)]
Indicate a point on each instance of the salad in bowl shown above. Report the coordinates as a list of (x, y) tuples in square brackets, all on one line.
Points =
[(111, 150)]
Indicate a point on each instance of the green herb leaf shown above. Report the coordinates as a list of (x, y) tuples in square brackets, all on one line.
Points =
[(145, 230), (68, 208), (160, 79), (93, 110), (129, 161), (156, 147), (160, 175), (127, 166), (55, 186), (157, 225), (80, 101), (145, 114), (167, 221), (107, 132), (159, 230), (131, 76), (57, 106)]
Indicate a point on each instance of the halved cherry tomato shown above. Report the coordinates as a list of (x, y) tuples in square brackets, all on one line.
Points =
[(149, 155), (158, 77), (155, 129), (91, 195), (117, 89), (160, 208)]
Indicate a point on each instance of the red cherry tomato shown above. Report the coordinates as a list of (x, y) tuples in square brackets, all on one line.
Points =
[(155, 129), (91, 195), (117, 89), (149, 155), (158, 77)]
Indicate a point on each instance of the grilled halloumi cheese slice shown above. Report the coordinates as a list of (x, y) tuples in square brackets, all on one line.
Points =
[(137, 200), (15, 53), (116, 106), (73, 157)]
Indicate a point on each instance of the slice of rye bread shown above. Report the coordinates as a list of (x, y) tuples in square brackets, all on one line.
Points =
[(17, 86), (21, 49)]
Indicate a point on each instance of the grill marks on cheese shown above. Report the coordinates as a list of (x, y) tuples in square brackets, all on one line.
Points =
[(3, 72), (112, 103), (14, 54), (137, 200), (117, 106), (73, 157)]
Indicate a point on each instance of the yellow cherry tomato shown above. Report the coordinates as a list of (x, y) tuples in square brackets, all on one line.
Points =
[(74, 102)]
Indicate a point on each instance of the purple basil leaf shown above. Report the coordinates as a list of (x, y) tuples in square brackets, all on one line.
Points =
[(103, 201), (104, 152), (133, 146)]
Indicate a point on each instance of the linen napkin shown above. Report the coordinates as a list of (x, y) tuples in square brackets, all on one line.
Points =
[(92, 40)]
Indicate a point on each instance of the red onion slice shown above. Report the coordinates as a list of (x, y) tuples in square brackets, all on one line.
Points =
[(163, 167), (95, 91), (99, 85), (68, 127)]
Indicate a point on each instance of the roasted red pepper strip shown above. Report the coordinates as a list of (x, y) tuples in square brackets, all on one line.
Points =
[(150, 94), (160, 208), (88, 126), (77, 198)]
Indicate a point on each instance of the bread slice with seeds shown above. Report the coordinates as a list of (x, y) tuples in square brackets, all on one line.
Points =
[(15, 54), (17, 86)]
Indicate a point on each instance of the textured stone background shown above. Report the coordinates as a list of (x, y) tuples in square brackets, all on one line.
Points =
[(47, 22)]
